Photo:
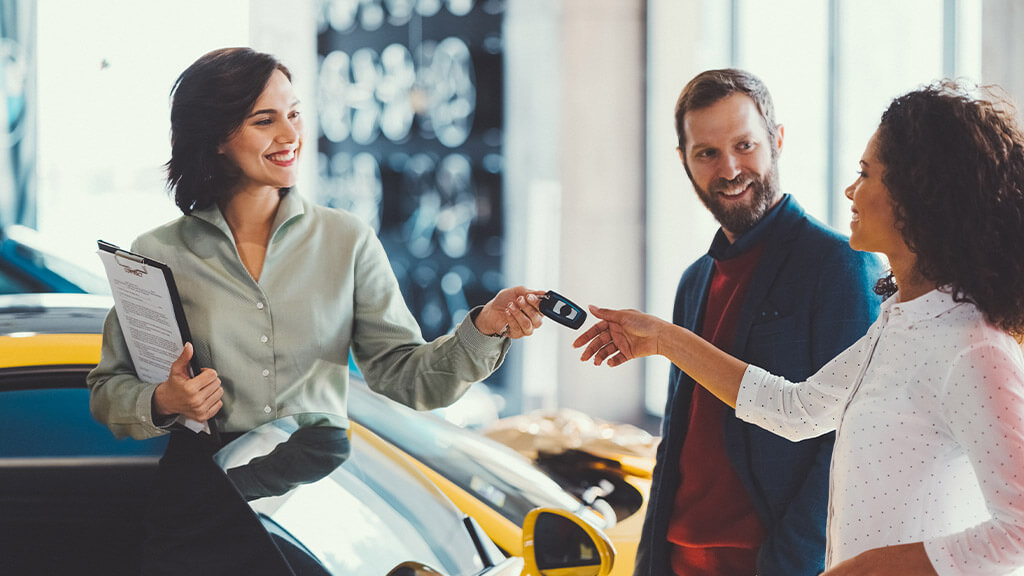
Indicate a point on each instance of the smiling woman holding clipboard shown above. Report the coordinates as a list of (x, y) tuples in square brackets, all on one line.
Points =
[(278, 292)]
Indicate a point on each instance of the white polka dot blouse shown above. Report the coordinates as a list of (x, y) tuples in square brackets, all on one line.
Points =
[(928, 409)]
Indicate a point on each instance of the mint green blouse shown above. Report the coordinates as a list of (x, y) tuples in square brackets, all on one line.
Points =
[(281, 345)]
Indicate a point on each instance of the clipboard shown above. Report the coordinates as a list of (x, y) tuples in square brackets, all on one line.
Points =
[(152, 317)]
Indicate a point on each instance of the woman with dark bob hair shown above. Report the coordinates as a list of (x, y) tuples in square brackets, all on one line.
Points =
[(928, 407), (278, 292)]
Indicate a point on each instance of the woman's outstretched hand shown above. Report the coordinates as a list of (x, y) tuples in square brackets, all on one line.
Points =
[(620, 336), (623, 335)]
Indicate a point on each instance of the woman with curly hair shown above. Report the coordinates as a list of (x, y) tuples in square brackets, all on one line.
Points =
[(928, 407)]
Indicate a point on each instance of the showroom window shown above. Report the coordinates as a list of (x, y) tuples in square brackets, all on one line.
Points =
[(104, 71)]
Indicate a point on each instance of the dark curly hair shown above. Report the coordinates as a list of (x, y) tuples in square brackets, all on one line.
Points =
[(210, 101), (954, 168)]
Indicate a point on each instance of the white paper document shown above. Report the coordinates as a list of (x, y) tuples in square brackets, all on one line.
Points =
[(147, 307)]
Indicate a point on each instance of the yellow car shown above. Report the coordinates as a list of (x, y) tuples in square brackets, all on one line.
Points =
[(49, 342), (498, 486)]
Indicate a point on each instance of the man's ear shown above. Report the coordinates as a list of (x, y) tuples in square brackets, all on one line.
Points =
[(682, 155), (780, 130)]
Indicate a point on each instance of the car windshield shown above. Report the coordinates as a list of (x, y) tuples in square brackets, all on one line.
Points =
[(494, 473), (366, 516)]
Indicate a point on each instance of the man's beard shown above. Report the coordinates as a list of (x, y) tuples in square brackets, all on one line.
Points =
[(740, 218)]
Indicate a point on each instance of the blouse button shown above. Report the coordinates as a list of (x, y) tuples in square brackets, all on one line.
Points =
[(264, 338), (266, 372), (266, 409), (259, 305)]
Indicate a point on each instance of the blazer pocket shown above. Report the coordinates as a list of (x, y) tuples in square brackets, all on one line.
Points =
[(777, 345)]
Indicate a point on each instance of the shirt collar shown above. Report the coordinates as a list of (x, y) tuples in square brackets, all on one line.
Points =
[(925, 307), (721, 249), (292, 205)]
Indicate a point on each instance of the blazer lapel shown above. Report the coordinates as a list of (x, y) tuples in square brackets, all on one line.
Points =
[(777, 249), (690, 312)]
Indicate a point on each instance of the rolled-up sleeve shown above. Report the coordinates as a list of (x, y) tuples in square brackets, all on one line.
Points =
[(391, 352), (798, 411)]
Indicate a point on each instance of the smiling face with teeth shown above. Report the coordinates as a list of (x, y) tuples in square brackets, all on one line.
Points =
[(732, 162), (265, 149)]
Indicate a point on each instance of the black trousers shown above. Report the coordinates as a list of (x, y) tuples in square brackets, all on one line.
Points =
[(198, 523)]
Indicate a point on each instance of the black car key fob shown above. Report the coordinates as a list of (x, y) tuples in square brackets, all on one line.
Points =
[(562, 310)]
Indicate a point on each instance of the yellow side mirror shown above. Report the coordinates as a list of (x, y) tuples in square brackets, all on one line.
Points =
[(560, 543)]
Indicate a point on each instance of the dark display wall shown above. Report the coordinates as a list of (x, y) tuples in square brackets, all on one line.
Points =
[(410, 115)]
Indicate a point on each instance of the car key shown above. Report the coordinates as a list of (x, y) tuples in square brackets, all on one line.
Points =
[(562, 310)]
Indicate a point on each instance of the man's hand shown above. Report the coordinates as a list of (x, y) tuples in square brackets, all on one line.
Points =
[(196, 398), (620, 336), (515, 308), (900, 560)]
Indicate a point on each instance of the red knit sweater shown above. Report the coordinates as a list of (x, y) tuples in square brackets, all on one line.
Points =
[(715, 529)]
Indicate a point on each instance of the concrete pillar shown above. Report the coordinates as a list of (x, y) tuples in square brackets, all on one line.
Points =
[(575, 184)]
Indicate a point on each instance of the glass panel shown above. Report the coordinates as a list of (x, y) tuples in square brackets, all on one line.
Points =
[(904, 51), (55, 424), (785, 43), (369, 515), (105, 71), (494, 473)]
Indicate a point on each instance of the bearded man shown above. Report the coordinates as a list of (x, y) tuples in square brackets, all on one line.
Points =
[(777, 289)]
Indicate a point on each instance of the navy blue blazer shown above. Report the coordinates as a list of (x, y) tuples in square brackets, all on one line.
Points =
[(810, 298)]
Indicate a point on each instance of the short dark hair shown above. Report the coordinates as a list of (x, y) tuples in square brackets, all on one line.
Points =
[(210, 101), (954, 168), (711, 86)]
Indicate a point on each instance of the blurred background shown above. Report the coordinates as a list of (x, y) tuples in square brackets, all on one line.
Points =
[(489, 142)]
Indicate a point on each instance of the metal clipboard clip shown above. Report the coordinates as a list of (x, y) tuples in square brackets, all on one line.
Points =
[(118, 255)]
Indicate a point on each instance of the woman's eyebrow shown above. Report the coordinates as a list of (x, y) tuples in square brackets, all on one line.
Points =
[(271, 110)]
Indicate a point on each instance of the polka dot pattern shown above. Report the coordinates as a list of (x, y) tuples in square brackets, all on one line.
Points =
[(928, 409)]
